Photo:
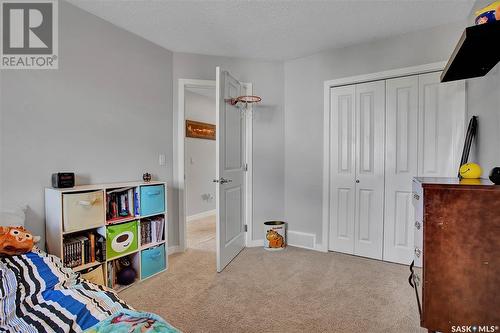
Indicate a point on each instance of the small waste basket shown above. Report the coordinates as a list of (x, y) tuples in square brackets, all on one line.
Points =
[(275, 235)]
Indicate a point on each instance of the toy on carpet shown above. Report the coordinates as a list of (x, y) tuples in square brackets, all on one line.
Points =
[(16, 241)]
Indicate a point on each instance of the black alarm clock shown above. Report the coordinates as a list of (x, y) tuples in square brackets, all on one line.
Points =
[(495, 175), (63, 179)]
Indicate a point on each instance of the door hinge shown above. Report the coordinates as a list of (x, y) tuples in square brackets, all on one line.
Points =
[(246, 228), (245, 167)]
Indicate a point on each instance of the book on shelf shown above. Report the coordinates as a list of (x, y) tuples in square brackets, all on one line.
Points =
[(152, 230), (120, 203), (100, 249), (110, 274), (81, 249), (137, 201)]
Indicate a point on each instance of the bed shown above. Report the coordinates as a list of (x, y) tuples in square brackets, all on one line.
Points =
[(38, 294)]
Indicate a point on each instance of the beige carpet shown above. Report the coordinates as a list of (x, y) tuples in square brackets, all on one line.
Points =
[(294, 290), (201, 234)]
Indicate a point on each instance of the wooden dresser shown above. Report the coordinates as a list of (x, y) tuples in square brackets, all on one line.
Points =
[(457, 244)]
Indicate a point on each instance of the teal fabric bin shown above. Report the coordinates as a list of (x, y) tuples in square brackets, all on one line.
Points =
[(152, 261), (152, 199)]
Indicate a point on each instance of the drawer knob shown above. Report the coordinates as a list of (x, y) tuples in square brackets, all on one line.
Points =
[(418, 225)]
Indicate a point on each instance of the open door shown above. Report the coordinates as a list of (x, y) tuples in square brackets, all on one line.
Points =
[(230, 170)]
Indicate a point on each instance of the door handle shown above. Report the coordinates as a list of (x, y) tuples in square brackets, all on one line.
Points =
[(222, 180)]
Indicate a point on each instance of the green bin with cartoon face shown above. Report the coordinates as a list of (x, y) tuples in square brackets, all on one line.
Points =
[(121, 239)]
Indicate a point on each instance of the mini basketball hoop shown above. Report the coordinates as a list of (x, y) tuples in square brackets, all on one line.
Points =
[(247, 99), (241, 103)]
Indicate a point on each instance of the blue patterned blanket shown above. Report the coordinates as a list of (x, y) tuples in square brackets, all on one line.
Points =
[(38, 294)]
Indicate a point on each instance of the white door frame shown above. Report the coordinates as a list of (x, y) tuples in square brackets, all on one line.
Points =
[(390, 74), (179, 176)]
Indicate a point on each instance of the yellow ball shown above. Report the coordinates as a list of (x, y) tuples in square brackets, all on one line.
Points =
[(470, 171)]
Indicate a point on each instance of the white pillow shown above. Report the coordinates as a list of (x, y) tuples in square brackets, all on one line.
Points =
[(15, 217)]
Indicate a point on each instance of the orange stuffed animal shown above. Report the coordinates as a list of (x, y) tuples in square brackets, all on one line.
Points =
[(16, 240)]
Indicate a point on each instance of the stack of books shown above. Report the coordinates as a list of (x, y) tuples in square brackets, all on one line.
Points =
[(152, 230), (120, 203), (83, 249)]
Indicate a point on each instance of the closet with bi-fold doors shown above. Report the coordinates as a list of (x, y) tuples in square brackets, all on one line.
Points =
[(381, 135)]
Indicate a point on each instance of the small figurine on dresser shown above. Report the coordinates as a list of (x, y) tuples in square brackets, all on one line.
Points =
[(146, 177), (495, 175)]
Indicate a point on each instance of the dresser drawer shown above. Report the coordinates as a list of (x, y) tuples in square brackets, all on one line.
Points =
[(121, 239), (152, 261), (152, 199), (83, 210)]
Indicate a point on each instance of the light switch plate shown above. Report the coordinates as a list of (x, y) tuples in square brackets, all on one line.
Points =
[(162, 159)]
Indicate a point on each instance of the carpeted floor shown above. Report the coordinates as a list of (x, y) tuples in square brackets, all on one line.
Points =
[(294, 290)]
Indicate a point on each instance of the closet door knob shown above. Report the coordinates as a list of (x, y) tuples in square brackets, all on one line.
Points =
[(357, 180)]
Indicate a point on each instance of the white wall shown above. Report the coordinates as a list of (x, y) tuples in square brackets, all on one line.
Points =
[(304, 80), (483, 100), (105, 114), (199, 155), (268, 136)]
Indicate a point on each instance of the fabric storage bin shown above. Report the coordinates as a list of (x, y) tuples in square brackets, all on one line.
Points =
[(121, 239), (83, 210), (152, 199), (152, 261), (94, 275)]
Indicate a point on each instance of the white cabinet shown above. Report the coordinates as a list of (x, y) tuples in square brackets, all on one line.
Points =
[(357, 172), (381, 135)]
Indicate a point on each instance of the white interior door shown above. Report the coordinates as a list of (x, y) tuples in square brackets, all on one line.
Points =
[(442, 111), (400, 167), (342, 168), (370, 137), (230, 169)]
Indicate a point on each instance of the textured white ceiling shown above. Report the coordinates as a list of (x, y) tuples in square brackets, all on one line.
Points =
[(270, 29)]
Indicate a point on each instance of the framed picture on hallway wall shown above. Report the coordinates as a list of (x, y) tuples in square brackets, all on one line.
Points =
[(199, 130)]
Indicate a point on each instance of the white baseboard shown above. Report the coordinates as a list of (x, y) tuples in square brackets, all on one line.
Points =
[(174, 249), (295, 238), (201, 215), (321, 248), (255, 243), (302, 239)]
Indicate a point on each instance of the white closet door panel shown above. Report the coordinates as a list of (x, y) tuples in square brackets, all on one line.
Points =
[(370, 136), (400, 167), (342, 169), (441, 126)]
